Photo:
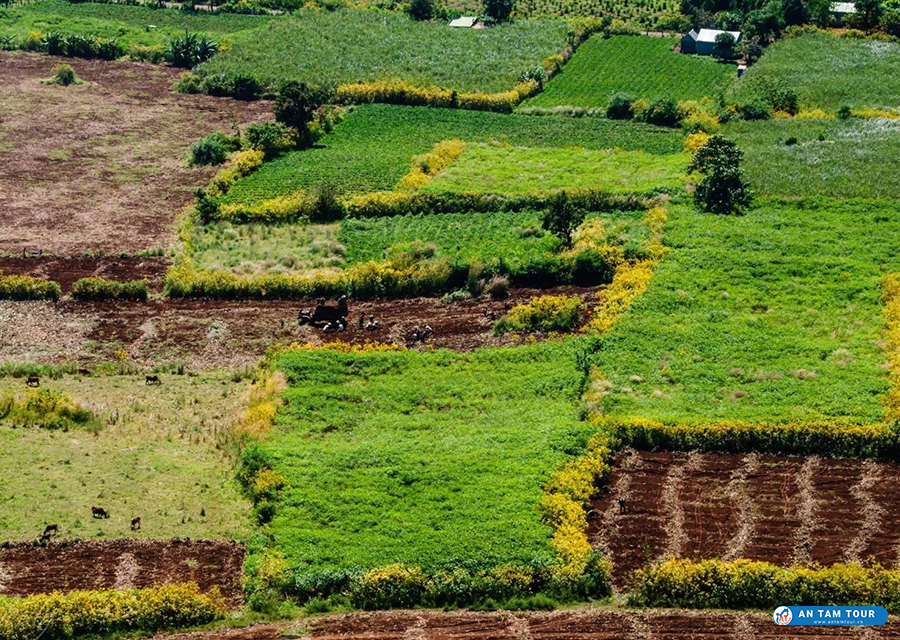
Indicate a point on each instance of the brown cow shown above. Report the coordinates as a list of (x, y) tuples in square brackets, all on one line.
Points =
[(99, 512), (135, 523)]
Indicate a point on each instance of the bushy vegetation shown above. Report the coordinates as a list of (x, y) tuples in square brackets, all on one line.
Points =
[(390, 487), (603, 67), (722, 189), (64, 75), (68, 615), (508, 169), (372, 148), (213, 149), (347, 46), (744, 584), (545, 313), (103, 289), (45, 409), (27, 288), (826, 72), (777, 314)]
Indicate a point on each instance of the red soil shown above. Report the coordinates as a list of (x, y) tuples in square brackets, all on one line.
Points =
[(778, 509), (26, 569)]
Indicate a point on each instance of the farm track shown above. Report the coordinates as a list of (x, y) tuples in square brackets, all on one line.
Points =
[(101, 166), (771, 508), (207, 333), (577, 624), (121, 564)]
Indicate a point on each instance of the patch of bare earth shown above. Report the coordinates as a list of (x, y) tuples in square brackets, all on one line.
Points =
[(101, 166), (578, 624), (205, 333), (761, 507)]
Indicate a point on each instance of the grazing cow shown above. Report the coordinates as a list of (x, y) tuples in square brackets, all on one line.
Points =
[(623, 507), (99, 512), (33, 381), (153, 380), (135, 523), (84, 372), (32, 253), (51, 529)]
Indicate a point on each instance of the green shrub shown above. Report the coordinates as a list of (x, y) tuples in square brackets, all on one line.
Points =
[(272, 138), (619, 107), (663, 113), (64, 75), (208, 151), (189, 83), (722, 189), (562, 217), (756, 110), (92, 289), (245, 87), (191, 49), (745, 584), (27, 288), (497, 10), (844, 113), (45, 409), (296, 103), (422, 9)]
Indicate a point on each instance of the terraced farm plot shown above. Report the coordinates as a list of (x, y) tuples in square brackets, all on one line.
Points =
[(127, 24), (506, 169), (399, 456), (346, 46), (841, 158), (771, 316), (781, 510), (156, 456), (642, 67), (374, 146), (827, 72)]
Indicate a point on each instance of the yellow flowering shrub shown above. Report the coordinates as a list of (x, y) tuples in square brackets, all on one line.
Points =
[(279, 209), (875, 113), (814, 114), (265, 483), (262, 404), (402, 92), (14, 287), (46, 409), (695, 140), (241, 164), (544, 313), (428, 165), (630, 281), (66, 615)]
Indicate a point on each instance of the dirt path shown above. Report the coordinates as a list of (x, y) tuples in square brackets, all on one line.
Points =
[(206, 333), (121, 564), (777, 509), (101, 165), (577, 624)]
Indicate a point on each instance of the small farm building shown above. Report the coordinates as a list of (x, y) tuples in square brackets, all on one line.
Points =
[(466, 22), (703, 42), (842, 9)]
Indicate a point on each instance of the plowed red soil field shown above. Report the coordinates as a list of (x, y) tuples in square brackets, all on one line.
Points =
[(121, 564), (782, 510), (579, 624), (227, 333)]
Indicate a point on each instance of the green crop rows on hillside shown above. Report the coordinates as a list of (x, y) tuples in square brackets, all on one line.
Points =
[(642, 67), (771, 316), (374, 146), (330, 48), (130, 25), (410, 457), (515, 170), (827, 72)]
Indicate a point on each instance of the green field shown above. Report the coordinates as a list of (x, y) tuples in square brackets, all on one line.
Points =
[(128, 24), (410, 457), (493, 168), (156, 455), (374, 146), (331, 48), (516, 238), (852, 158), (827, 72), (640, 66), (772, 316)]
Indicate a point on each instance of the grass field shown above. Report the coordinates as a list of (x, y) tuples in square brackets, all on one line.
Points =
[(827, 72), (640, 66), (515, 238), (374, 146), (775, 315), (506, 169), (156, 456), (410, 457), (853, 158), (128, 24), (330, 48)]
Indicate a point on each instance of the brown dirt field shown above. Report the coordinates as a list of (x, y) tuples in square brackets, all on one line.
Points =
[(100, 166), (66, 271), (121, 564), (577, 624), (206, 333), (777, 509)]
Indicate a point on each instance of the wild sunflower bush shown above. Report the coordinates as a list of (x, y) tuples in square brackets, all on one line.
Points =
[(27, 288), (90, 289), (45, 409), (544, 313), (745, 584), (66, 615)]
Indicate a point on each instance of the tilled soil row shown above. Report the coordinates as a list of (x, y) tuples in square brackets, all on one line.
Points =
[(26, 569), (774, 508)]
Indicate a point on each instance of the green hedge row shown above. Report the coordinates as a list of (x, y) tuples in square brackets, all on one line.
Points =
[(92, 289)]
